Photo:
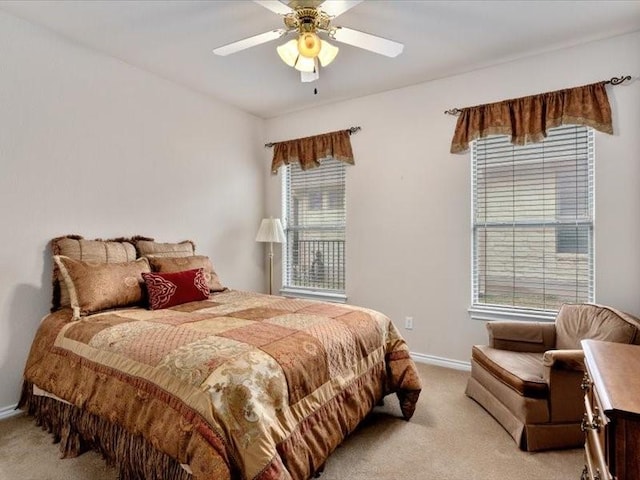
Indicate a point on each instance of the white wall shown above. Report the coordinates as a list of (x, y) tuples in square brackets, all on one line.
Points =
[(94, 146), (408, 198)]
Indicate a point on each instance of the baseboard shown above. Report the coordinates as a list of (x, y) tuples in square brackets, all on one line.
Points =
[(9, 411), (441, 361)]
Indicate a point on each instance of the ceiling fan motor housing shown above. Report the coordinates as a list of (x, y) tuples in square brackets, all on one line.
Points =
[(307, 20)]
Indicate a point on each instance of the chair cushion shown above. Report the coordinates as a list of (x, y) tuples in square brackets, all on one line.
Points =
[(522, 371), (581, 321)]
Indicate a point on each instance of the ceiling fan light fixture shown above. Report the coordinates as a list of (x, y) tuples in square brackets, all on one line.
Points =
[(309, 44), (305, 64), (306, 77), (327, 53), (307, 52), (289, 52)]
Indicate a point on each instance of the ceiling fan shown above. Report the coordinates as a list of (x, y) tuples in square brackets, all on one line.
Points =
[(308, 51)]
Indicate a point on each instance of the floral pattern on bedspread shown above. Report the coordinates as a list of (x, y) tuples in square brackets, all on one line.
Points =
[(274, 383)]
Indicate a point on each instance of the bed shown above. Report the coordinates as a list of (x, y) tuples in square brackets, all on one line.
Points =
[(231, 385)]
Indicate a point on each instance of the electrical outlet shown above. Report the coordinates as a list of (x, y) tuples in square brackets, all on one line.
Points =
[(408, 323)]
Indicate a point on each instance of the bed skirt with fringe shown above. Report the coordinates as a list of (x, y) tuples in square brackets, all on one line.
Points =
[(78, 431)]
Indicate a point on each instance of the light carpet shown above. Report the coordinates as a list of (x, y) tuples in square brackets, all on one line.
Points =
[(450, 437)]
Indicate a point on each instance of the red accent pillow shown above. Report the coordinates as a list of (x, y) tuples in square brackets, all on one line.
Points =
[(168, 289)]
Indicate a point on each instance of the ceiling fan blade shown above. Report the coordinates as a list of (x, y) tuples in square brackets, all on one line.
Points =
[(333, 8), (275, 6), (368, 42), (249, 42)]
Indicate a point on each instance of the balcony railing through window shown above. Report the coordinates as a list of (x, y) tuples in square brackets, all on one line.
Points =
[(316, 263)]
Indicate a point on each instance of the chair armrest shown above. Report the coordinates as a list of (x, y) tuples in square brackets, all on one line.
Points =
[(564, 360), (522, 336), (563, 372)]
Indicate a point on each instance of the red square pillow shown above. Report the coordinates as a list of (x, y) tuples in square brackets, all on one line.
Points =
[(168, 289)]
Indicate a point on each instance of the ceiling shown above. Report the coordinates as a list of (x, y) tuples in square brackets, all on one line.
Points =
[(175, 39)]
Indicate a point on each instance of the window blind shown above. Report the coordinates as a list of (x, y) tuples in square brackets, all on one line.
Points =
[(314, 222), (533, 220)]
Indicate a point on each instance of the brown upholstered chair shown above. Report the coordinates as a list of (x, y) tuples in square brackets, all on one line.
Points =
[(529, 375)]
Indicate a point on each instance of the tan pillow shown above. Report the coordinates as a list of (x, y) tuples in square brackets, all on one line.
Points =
[(148, 248), (180, 264), (98, 251), (100, 286), (596, 322)]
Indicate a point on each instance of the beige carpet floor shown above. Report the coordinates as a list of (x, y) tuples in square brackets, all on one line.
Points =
[(450, 437)]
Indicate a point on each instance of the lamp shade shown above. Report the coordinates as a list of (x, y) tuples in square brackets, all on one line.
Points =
[(288, 52), (309, 76), (305, 64), (327, 53), (270, 231)]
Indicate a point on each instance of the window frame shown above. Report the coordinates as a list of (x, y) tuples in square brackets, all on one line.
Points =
[(316, 293), (492, 312)]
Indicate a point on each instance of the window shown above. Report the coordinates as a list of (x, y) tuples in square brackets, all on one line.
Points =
[(336, 198), (572, 203), (314, 257), (315, 200), (533, 221)]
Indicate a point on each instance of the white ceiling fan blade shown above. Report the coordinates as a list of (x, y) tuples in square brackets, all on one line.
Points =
[(249, 42), (333, 8), (275, 6), (368, 42)]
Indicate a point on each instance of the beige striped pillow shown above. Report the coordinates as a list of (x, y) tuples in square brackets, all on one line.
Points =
[(180, 264), (149, 248)]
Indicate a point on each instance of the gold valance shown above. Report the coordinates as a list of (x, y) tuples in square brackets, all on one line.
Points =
[(308, 151), (527, 119)]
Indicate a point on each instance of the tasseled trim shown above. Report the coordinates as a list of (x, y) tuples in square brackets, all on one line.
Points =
[(78, 431)]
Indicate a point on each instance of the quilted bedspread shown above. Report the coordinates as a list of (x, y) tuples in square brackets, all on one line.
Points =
[(241, 385)]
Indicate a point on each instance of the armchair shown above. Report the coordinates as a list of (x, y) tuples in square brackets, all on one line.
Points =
[(528, 377)]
